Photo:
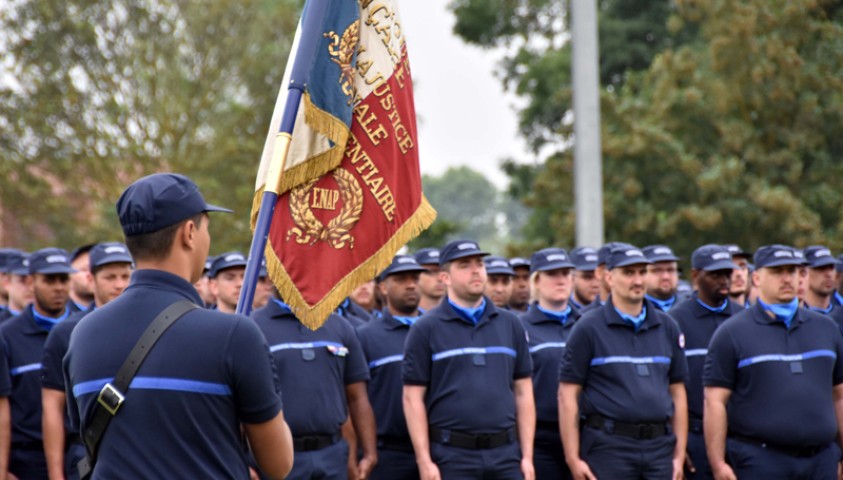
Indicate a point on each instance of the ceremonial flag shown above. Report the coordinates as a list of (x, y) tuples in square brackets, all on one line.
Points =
[(350, 191)]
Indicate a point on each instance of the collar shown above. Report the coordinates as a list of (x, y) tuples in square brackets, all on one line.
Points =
[(470, 315), (837, 297), (557, 316), (82, 308), (161, 280), (722, 308), (44, 323), (613, 317), (394, 322), (663, 305), (824, 311), (761, 316), (636, 320), (574, 303), (278, 309)]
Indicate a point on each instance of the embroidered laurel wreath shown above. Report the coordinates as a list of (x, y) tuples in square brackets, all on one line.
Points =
[(309, 229)]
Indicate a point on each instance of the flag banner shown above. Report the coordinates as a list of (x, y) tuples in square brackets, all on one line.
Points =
[(351, 192)]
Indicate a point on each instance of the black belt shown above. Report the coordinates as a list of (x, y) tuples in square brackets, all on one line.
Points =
[(472, 441), (309, 443), (808, 451), (398, 444), (640, 431)]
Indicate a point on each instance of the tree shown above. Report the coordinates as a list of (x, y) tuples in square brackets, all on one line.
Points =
[(99, 93)]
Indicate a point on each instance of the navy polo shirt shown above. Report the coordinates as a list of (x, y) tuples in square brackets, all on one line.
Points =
[(382, 340), (317, 366), (698, 325), (468, 369), (625, 372), (24, 340), (58, 341), (547, 337), (592, 306), (837, 315), (207, 374), (781, 379), (353, 313), (5, 377)]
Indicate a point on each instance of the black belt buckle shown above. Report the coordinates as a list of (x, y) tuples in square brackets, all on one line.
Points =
[(483, 441), (646, 431), (110, 398)]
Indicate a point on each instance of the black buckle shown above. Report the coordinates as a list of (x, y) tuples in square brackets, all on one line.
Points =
[(110, 398), (645, 431), (484, 441)]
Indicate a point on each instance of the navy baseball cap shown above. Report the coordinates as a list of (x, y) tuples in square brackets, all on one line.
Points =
[(518, 262), (584, 258), (5, 255), (736, 251), (227, 260), (840, 263), (401, 264), (81, 250), (460, 249), (604, 252), (427, 256), (712, 257), (263, 273), (50, 261), (496, 265), (819, 256), (108, 252), (550, 259), (777, 256), (17, 263), (626, 255), (208, 262), (158, 201), (659, 253)]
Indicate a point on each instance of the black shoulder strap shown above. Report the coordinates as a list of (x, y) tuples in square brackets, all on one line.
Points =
[(112, 395)]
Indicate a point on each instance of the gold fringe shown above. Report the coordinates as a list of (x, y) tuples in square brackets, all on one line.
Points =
[(314, 316)]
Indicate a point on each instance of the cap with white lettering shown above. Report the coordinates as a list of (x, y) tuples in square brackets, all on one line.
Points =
[(460, 249), (227, 260), (659, 253), (549, 259), (819, 256), (50, 261), (777, 256), (712, 257), (108, 252), (496, 265), (626, 255)]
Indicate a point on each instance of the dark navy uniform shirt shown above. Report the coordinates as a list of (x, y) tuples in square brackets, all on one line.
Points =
[(781, 379), (698, 324), (317, 366), (547, 337), (837, 315), (468, 369), (625, 372), (207, 374), (382, 340), (5, 377), (353, 313), (58, 341)]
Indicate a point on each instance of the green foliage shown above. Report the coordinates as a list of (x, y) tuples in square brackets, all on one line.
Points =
[(103, 92)]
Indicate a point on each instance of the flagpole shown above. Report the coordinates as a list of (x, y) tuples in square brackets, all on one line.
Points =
[(311, 34)]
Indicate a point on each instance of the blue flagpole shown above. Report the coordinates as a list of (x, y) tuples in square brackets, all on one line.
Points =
[(311, 34)]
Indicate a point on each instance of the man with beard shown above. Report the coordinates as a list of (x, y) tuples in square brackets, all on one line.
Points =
[(820, 281), (382, 340), (109, 270), (519, 301), (738, 292), (431, 286), (698, 317), (586, 284), (774, 383), (24, 337), (499, 280), (18, 284), (662, 276), (468, 392), (81, 290)]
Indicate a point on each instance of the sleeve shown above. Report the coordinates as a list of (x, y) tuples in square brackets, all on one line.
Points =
[(72, 407), (417, 357), (577, 355), (52, 376), (356, 367), (678, 372), (253, 381), (838, 364), (721, 362), (5, 375), (523, 359)]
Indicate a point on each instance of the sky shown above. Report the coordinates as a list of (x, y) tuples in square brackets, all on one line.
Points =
[(466, 118)]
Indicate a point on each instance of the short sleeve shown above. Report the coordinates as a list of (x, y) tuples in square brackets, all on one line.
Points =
[(838, 364), (417, 357), (523, 359), (254, 384), (678, 372), (5, 375), (52, 375), (721, 362), (577, 355), (356, 367)]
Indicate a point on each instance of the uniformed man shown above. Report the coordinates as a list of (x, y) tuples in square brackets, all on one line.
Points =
[(364, 296), (81, 291), (226, 280), (5, 255), (110, 269), (430, 284), (603, 254), (354, 314), (698, 317), (327, 371), (468, 392), (519, 301), (662, 276), (820, 280), (548, 324), (773, 383), (623, 372), (24, 337), (18, 284), (207, 375), (499, 277), (739, 291), (263, 289), (586, 284), (202, 285), (5, 413), (382, 340)]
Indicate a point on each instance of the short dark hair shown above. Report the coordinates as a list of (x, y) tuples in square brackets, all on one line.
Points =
[(156, 245)]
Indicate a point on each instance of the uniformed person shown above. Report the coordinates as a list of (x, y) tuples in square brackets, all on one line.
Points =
[(430, 284), (698, 317), (202, 285), (739, 291), (603, 254), (263, 289), (110, 267), (837, 298), (468, 392), (327, 371), (623, 372), (519, 302), (548, 323), (382, 340), (499, 277), (24, 337), (364, 296), (820, 285), (18, 284), (662, 276), (586, 284), (81, 291), (5, 413), (773, 377), (226, 280), (207, 375), (5, 255)]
